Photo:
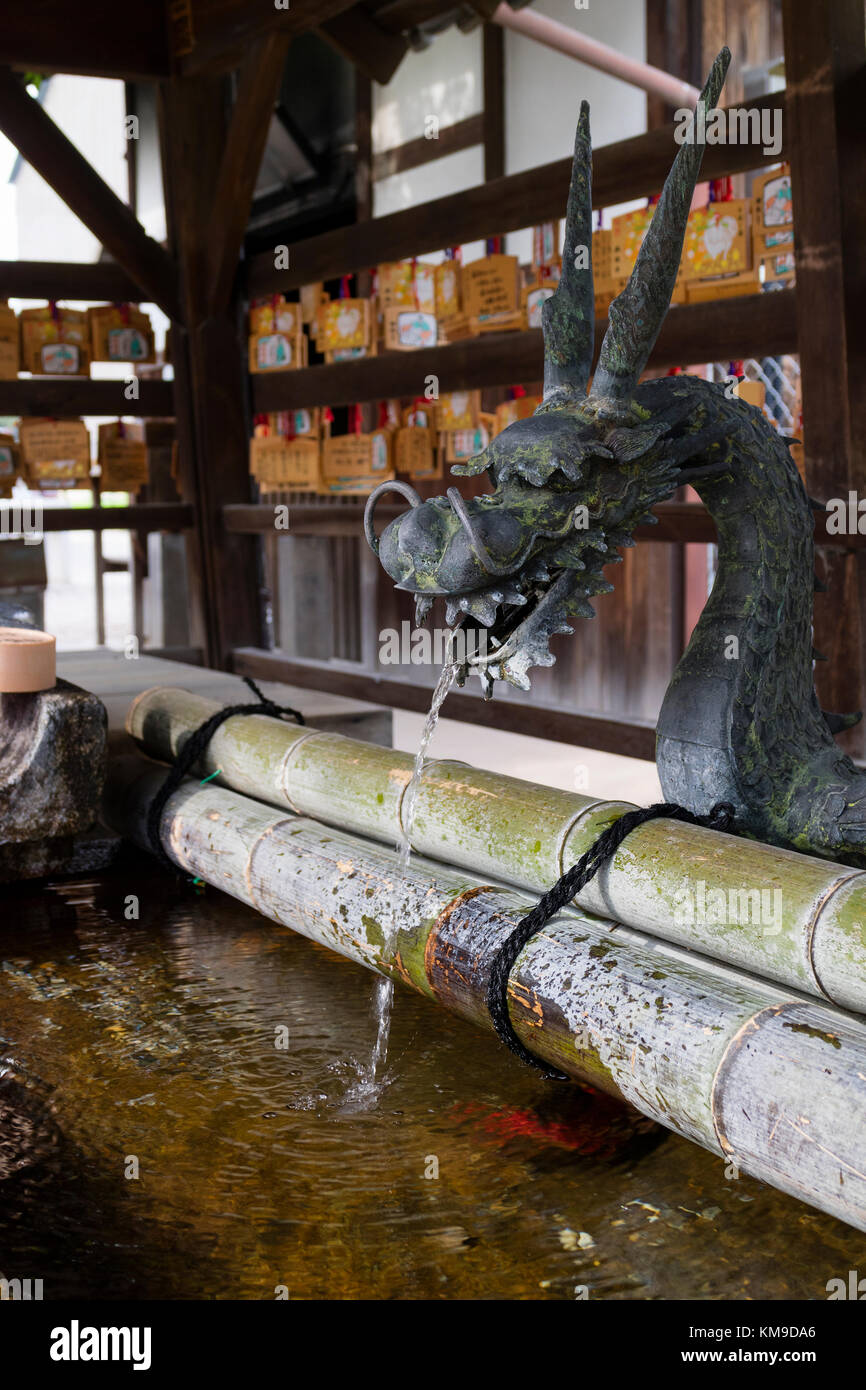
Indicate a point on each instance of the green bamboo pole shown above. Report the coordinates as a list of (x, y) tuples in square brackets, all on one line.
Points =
[(774, 1084), (806, 928)]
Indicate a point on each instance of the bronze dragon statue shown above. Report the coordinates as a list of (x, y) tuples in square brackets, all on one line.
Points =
[(740, 721)]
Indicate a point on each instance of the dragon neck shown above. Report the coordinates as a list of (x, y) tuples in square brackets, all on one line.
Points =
[(742, 695)]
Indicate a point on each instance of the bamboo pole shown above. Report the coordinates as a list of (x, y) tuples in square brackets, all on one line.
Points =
[(774, 1084), (806, 928)]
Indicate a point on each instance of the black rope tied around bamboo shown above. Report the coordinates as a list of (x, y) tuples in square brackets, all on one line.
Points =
[(600, 852), (194, 748)]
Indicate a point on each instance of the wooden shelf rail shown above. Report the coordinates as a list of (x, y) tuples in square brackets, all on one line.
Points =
[(99, 281), (68, 397), (678, 522), (633, 739), (141, 516), (756, 325), (627, 169)]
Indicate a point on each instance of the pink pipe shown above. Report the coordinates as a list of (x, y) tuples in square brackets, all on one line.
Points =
[(597, 55)]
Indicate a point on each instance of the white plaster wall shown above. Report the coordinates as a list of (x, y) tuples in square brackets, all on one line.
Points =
[(465, 169), (443, 80), (543, 91)]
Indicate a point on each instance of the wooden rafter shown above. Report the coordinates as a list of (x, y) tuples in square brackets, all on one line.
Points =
[(221, 30), (402, 15), (64, 168), (257, 90), (91, 38), (375, 51)]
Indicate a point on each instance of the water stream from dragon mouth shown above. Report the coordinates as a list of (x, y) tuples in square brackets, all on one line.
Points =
[(370, 1085)]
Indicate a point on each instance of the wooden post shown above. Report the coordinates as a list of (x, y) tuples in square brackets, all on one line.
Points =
[(257, 88), (824, 61), (494, 102), (210, 389), (364, 197)]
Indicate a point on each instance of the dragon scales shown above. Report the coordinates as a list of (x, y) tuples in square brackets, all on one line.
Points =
[(740, 721)]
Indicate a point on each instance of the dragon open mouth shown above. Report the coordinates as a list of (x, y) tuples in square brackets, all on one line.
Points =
[(571, 483)]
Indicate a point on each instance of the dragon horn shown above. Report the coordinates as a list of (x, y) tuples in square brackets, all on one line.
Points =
[(568, 317), (636, 315)]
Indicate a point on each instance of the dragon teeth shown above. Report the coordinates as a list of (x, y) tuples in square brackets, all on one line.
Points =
[(423, 604)]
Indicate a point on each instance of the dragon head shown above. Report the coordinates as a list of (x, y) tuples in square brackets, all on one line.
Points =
[(572, 482)]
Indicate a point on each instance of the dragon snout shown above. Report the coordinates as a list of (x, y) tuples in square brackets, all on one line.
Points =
[(444, 545)]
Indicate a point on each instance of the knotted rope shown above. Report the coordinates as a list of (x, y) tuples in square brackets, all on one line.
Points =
[(192, 751), (577, 877)]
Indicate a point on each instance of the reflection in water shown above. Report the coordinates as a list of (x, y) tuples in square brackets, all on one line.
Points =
[(160, 1046)]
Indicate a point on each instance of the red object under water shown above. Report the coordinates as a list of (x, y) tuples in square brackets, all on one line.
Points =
[(588, 1123)]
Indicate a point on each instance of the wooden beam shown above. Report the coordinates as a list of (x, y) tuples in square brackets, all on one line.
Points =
[(375, 52), (47, 36), (825, 61), (97, 281), (47, 149), (630, 739), (141, 516), (222, 30), (462, 135), (258, 87), (627, 169), (757, 325), (66, 397)]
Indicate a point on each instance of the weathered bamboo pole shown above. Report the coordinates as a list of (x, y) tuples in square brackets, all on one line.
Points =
[(773, 1084), (810, 931)]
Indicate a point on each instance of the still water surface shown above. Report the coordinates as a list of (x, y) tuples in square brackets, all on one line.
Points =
[(155, 1041)]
